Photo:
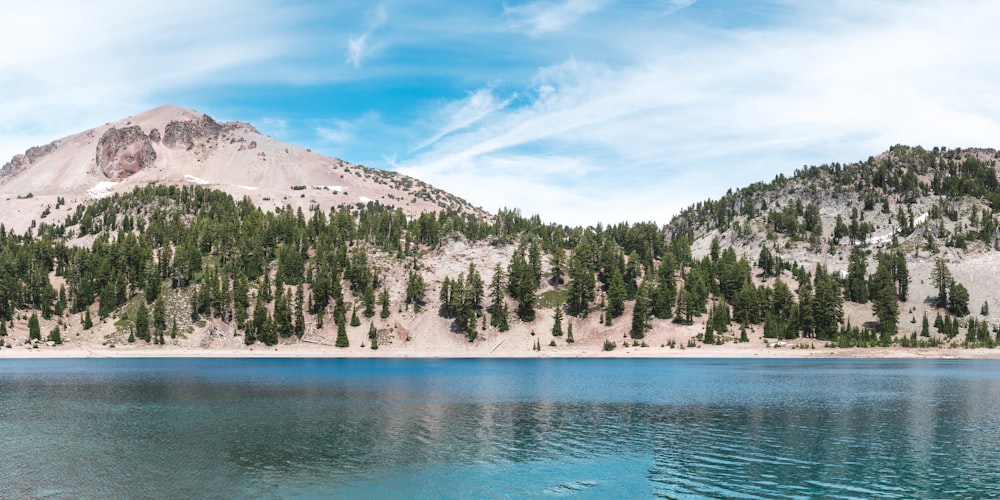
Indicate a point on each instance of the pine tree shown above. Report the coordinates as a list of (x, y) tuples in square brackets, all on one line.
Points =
[(885, 303), (373, 336), (569, 332), (283, 316), (415, 290), (142, 322), (300, 320), (828, 305), (582, 282), (640, 313), (683, 309), (368, 299), (522, 285), (941, 278), (269, 334), (159, 315), (355, 321), (384, 302), (857, 269), (958, 299), (256, 330), (616, 294), (498, 309), (557, 321), (87, 322), (55, 335), (925, 330), (342, 340), (709, 336), (901, 275), (34, 331), (666, 289)]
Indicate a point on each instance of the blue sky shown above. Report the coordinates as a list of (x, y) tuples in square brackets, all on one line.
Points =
[(582, 111)]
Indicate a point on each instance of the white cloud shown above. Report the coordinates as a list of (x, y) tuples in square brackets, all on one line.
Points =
[(676, 5), (358, 47), (543, 16), (71, 65), (701, 111), (338, 132), (457, 115)]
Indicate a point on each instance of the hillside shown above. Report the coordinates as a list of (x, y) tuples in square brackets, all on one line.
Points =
[(170, 232)]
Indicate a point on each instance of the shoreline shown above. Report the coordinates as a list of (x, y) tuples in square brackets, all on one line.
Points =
[(733, 351)]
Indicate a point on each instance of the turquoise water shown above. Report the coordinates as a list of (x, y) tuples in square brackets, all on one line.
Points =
[(293, 428)]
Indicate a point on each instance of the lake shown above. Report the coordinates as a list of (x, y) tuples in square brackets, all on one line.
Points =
[(465, 428)]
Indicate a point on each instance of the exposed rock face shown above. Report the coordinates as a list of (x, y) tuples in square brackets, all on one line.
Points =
[(122, 152), (185, 133), (18, 162), (189, 133), (154, 135)]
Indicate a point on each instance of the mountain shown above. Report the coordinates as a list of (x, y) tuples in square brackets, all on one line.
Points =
[(172, 222), (170, 145)]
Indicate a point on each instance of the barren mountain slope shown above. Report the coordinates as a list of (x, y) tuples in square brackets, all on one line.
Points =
[(170, 145)]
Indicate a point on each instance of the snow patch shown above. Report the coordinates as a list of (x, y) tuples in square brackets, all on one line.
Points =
[(248, 188), (885, 238), (335, 189), (101, 190), (364, 199), (196, 180)]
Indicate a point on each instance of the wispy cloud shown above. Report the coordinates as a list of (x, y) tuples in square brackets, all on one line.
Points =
[(359, 47), (607, 111), (676, 5), (545, 16), (72, 65), (703, 111), (458, 115)]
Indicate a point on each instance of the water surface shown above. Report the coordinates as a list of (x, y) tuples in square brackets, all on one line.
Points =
[(303, 428)]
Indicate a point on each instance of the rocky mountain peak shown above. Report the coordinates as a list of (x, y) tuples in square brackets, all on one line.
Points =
[(20, 161)]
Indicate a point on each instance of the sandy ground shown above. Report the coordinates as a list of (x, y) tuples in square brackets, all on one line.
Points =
[(315, 352), (305, 350)]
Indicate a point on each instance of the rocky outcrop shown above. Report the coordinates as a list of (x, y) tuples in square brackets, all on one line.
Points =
[(122, 152), (186, 134), (183, 134), (19, 162)]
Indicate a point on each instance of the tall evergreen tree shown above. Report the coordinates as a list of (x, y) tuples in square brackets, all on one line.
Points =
[(828, 305), (498, 309), (941, 278), (958, 299), (616, 294), (415, 290), (857, 279), (142, 322), (299, 325), (34, 330), (383, 300), (885, 299), (640, 313), (557, 321), (342, 340), (373, 336)]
